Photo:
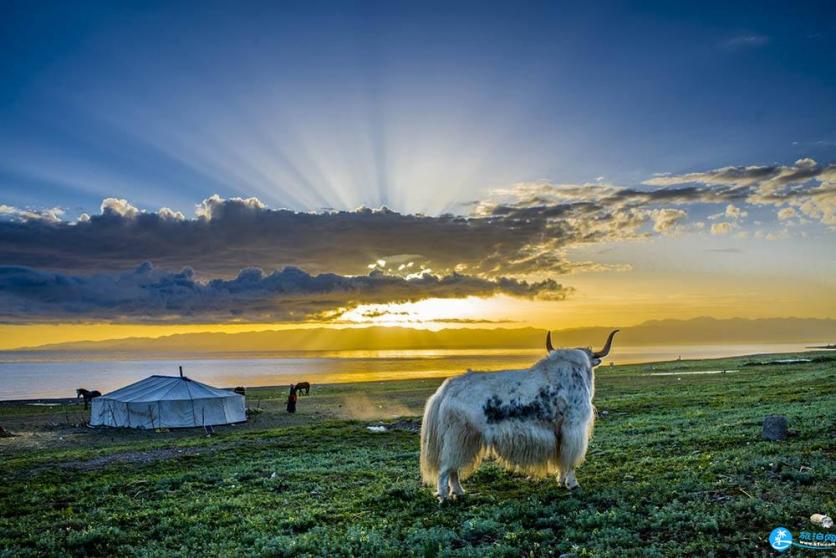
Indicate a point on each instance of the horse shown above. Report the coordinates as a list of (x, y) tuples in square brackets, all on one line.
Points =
[(87, 395), (304, 386)]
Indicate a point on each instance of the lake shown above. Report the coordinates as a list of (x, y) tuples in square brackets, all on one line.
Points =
[(30, 375)]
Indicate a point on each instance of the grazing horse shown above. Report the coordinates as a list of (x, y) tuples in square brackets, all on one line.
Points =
[(303, 386), (87, 395)]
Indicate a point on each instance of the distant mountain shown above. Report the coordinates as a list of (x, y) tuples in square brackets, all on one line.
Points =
[(656, 332)]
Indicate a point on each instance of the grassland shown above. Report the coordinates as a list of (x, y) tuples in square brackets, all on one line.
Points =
[(677, 467)]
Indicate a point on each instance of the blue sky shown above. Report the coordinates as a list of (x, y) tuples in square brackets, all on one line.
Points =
[(418, 107)]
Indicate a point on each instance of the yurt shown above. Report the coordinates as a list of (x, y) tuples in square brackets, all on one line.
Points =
[(167, 402)]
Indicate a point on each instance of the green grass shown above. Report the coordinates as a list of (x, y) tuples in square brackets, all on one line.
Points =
[(676, 467)]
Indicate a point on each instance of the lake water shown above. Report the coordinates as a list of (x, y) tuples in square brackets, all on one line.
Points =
[(28, 375)]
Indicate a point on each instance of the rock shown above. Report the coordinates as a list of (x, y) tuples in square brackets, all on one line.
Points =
[(775, 427), (822, 520)]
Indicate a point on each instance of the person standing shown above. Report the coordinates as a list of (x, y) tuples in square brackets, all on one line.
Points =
[(291, 399)]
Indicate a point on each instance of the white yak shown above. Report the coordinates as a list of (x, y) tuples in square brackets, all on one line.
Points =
[(537, 421)]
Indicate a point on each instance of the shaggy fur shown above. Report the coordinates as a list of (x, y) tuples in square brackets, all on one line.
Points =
[(536, 421)]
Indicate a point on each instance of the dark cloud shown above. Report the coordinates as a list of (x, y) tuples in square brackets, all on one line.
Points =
[(798, 173), (234, 234), (149, 295), (677, 196), (228, 235), (515, 232)]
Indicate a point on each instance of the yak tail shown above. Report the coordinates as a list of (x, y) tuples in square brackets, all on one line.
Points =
[(431, 439)]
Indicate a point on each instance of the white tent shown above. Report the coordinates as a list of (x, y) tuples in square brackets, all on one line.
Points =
[(167, 402)]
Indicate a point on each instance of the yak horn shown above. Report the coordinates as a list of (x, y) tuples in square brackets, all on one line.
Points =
[(549, 347), (606, 350)]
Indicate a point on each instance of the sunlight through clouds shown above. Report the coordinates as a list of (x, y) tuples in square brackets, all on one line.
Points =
[(413, 158)]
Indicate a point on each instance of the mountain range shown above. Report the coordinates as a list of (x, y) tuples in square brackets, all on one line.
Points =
[(656, 332)]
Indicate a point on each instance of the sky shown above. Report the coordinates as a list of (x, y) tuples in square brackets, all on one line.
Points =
[(166, 167)]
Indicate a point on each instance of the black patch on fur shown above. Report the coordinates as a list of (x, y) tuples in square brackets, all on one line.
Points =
[(543, 408)]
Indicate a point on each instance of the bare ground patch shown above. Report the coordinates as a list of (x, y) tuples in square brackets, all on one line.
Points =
[(135, 457)]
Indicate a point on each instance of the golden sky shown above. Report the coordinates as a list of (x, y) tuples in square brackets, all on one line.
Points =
[(620, 298)]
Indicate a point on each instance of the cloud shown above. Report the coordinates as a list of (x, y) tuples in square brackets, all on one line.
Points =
[(228, 235), (722, 229), (731, 212), (520, 231), (787, 213), (749, 40), (120, 207), (146, 294), (735, 213), (9, 213), (804, 185), (801, 171), (216, 207), (665, 220), (526, 233), (594, 212)]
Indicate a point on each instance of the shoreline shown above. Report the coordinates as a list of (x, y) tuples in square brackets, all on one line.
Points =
[(48, 401), (20, 356)]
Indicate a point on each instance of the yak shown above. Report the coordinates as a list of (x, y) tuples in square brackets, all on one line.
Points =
[(536, 421)]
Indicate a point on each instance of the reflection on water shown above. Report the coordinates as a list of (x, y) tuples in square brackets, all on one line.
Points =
[(690, 373), (32, 375)]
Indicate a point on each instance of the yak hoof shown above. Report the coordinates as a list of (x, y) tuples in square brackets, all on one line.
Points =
[(572, 486)]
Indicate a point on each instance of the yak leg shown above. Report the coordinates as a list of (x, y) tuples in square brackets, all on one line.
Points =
[(573, 443), (455, 485), (460, 450), (443, 484), (449, 485), (571, 482)]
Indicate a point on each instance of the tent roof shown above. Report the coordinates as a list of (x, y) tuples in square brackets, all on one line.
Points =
[(167, 388)]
